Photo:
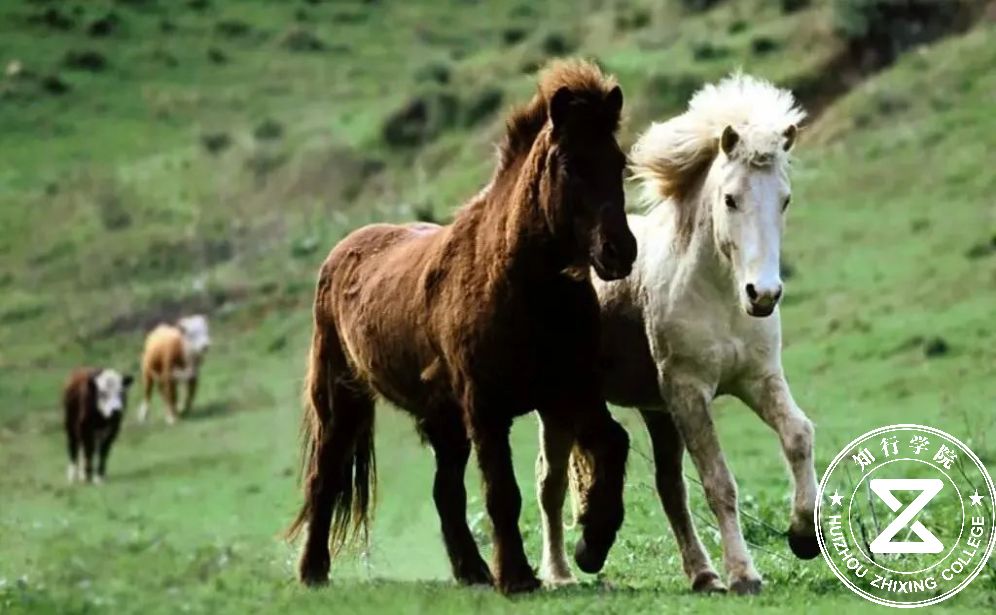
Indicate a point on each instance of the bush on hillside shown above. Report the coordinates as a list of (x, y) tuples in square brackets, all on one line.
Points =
[(301, 40), (104, 26), (54, 84), (696, 6), (216, 142), (557, 44), (513, 35), (763, 45), (87, 59), (232, 28), (790, 6), (421, 118), (437, 72), (482, 104), (53, 18), (268, 130), (882, 29)]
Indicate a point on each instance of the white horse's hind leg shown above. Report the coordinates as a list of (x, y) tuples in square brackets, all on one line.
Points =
[(771, 399), (690, 409), (551, 488), (668, 450)]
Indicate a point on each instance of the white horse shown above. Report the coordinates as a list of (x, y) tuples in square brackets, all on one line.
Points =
[(698, 318)]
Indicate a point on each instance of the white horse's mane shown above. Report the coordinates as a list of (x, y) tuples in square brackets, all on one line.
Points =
[(670, 157)]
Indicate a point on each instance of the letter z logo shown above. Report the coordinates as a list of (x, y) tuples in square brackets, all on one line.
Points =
[(928, 488)]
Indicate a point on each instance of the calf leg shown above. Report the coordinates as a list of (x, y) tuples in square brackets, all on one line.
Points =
[(668, 452), (73, 448), (168, 385), (504, 503), (191, 392), (451, 446), (104, 450), (89, 447), (690, 409), (551, 489), (147, 383), (771, 399)]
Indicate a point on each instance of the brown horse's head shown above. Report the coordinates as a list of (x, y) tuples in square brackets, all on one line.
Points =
[(581, 189)]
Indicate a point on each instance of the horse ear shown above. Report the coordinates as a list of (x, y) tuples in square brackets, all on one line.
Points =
[(729, 140), (790, 134), (560, 104), (614, 99)]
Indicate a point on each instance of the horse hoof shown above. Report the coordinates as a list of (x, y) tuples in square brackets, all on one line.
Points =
[(476, 574), (557, 576), (313, 570), (746, 586), (804, 546), (588, 559), (707, 582), (519, 584)]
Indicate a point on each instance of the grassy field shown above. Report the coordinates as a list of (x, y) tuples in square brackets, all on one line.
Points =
[(223, 147)]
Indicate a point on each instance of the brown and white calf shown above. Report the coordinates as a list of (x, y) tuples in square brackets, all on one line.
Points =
[(173, 354), (94, 401)]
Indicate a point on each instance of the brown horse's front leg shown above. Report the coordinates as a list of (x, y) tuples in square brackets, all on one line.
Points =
[(451, 446), (603, 445), (512, 571)]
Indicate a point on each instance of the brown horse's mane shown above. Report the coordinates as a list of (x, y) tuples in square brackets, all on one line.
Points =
[(583, 79)]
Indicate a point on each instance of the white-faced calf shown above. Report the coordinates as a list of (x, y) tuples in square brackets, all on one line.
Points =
[(173, 354), (94, 401)]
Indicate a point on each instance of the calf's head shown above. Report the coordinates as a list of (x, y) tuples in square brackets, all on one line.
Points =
[(196, 338), (110, 390)]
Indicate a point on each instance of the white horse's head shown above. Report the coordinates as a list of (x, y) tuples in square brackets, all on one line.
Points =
[(727, 156), (749, 193)]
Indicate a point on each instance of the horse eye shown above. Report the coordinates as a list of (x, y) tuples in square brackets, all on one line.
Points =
[(731, 203), (788, 200)]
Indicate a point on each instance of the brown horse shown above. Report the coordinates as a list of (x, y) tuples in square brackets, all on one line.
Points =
[(469, 325)]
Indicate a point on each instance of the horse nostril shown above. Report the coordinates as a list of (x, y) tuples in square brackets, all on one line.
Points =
[(609, 251), (778, 295), (751, 292)]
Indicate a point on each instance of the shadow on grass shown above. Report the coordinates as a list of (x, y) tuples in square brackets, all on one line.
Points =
[(210, 410), (179, 465)]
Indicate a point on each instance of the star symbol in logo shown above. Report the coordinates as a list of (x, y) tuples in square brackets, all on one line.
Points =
[(976, 498), (836, 498)]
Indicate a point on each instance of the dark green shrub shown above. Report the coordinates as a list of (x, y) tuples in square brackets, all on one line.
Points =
[(434, 72), (88, 60), (482, 104), (268, 130), (421, 118), (216, 142)]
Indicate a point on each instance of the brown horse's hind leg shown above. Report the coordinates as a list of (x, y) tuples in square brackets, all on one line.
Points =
[(448, 438), (339, 471), (668, 451), (329, 489), (504, 503)]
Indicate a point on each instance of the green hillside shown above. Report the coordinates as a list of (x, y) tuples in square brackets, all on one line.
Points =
[(162, 157)]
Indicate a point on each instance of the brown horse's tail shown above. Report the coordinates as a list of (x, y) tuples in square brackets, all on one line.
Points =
[(338, 466)]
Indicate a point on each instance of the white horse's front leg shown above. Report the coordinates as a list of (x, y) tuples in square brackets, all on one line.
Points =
[(771, 399), (551, 489), (690, 409)]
